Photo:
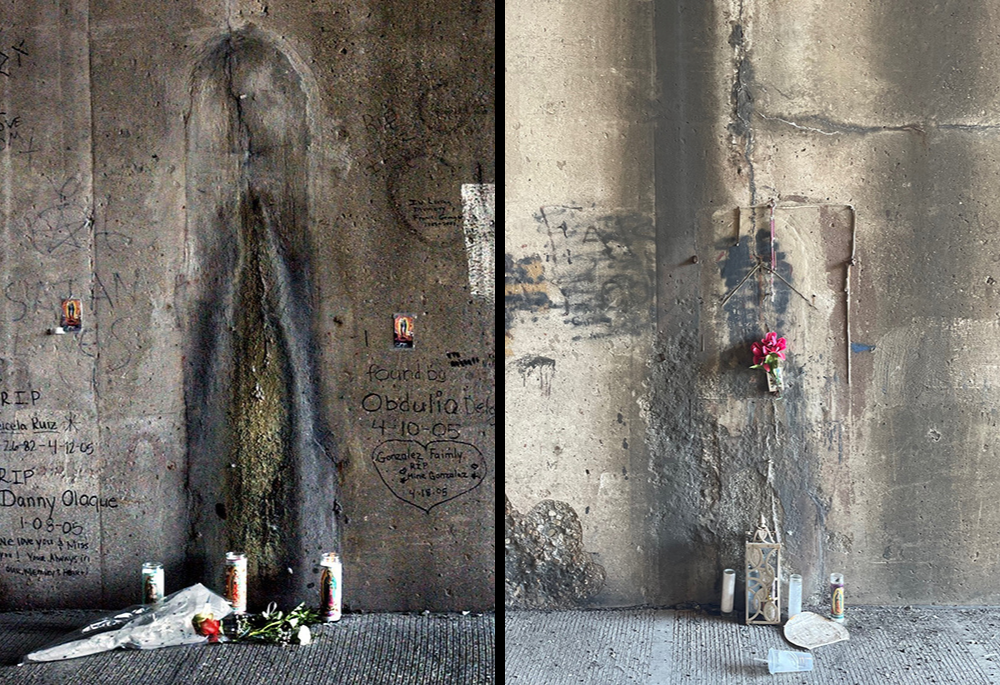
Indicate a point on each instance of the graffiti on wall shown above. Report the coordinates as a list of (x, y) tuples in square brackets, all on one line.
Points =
[(541, 368), (602, 265), (10, 130), (428, 474), (596, 273), (14, 125), (63, 223), (50, 517), (426, 453), (13, 55)]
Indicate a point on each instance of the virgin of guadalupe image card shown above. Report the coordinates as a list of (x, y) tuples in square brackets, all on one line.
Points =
[(402, 331), (71, 316)]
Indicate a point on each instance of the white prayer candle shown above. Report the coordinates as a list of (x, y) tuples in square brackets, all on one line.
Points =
[(728, 590), (794, 594)]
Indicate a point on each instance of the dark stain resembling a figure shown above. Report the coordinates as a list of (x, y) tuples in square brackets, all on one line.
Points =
[(260, 480)]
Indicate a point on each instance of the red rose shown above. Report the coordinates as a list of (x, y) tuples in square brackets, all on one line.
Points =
[(207, 625)]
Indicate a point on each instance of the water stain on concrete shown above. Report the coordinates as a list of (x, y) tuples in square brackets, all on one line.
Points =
[(250, 383)]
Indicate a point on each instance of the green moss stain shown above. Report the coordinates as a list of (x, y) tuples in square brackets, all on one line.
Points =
[(260, 419)]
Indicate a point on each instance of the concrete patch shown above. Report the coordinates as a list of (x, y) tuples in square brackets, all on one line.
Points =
[(545, 564), (479, 214)]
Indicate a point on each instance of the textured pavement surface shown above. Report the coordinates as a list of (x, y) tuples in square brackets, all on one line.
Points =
[(888, 645), (369, 649)]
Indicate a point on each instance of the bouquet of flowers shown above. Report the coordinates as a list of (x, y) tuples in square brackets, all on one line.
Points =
[(272, 626), (194, 615), (768, 355)]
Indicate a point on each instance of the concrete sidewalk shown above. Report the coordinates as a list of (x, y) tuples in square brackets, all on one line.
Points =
[(888, 645), (363, 649)]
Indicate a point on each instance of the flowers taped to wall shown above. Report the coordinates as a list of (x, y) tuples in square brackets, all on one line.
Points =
[(768, 355)]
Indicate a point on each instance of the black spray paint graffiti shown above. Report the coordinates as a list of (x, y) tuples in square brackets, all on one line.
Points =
[(602, 267), (456, 361), (542, 367)]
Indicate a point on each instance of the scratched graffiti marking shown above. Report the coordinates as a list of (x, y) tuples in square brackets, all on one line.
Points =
[(10, 130), (63, 225), (12, 56), (66, 223), (31, 297)]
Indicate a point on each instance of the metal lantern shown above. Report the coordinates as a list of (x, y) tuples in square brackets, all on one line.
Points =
[(763, 576)]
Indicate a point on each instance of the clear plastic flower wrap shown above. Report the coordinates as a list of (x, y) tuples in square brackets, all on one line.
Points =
[(166, 624)]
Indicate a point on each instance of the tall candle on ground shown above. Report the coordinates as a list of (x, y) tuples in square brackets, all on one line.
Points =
[(728, 590), (794, 594), (837, 597)]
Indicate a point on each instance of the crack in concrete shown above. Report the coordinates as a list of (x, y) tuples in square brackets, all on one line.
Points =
[(829, 127), (743, 103), (975, 128)]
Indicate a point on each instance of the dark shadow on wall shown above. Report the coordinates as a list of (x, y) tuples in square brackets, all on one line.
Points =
[(260, 480), (684, 547)]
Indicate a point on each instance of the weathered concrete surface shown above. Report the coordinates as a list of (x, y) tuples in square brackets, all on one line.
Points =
[(545, 564), (907, 645), (874, 141), (348, 131), (369, 648), (579, 272)]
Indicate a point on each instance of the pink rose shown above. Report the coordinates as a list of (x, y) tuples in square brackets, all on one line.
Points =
[(769, 351)]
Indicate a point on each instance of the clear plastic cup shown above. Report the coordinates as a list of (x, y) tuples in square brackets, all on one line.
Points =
[(781, 661)]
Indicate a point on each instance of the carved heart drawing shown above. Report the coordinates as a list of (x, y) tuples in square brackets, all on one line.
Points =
[(426, 475)]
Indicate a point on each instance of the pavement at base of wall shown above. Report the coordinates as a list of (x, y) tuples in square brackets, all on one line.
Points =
[(888, 645), (360, 649)]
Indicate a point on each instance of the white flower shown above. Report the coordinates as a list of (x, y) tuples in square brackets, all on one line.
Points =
[(304, 637)]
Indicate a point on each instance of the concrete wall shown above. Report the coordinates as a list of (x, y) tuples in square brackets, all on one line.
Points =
[(871, 129), (243, 195)]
